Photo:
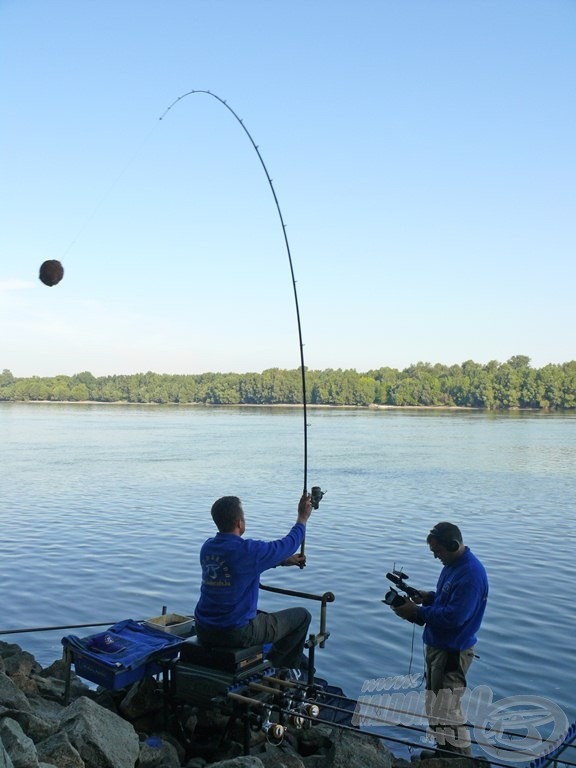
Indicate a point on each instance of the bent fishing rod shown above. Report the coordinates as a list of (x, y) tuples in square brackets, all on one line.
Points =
[(316, 492)]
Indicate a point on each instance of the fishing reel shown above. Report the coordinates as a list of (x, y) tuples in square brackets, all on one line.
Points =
[(316, 496), (303, 715), (273, 730)]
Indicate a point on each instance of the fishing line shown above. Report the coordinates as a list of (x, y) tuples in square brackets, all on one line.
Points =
[(319, 493), (108, 192), (52, 278)]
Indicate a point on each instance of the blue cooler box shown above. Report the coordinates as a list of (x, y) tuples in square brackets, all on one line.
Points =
[(124, 653)]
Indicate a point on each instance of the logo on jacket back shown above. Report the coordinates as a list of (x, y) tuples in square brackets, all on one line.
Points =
[(215, 572)]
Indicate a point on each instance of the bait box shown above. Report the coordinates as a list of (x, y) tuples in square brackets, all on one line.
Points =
[(173, 623)]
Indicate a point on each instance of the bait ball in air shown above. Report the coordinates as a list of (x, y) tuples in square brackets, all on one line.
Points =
[(51, 272)]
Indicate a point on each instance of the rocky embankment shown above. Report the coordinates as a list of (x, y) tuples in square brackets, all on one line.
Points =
[(131, 729)]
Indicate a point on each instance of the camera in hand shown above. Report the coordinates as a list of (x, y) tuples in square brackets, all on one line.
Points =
[(393, 598)]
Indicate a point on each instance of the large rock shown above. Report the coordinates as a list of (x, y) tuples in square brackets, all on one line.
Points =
[(5, 761), (158, 753), (10, 695), (52, 680), (37, 728), (273, 757), (19, 662), (363, 749), (20, 747), (103, 739), (141, 699), (58, 751)]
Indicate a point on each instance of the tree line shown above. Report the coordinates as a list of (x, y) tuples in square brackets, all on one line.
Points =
[(509, 385)]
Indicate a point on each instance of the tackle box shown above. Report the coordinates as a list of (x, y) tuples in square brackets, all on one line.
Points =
[(126, 652)]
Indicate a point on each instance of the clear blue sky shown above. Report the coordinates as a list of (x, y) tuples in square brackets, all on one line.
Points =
[(423, 153)]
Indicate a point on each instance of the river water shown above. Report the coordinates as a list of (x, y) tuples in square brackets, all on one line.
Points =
[(104, 508)]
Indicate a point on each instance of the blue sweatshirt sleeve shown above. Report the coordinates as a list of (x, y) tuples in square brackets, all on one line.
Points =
[(269, 554)]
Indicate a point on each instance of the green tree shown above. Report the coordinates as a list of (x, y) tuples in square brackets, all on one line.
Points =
[(519, 362), (507, 386), (6, 378), (550, 378), (79, 393)]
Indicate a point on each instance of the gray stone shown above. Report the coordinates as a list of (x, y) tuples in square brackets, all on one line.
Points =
[(45, 709), (5, 761), (239, 762), (142, 698), (10, 695), (362, 749), (158, 753), (24, 684), (58, 751), (8, 649), (37, 728), (20, 747), (315, 761), (169, 738), (49, 688), (196, 762), (58, 669), (20, 663), (278, 757), (315, 741), (103, 739)]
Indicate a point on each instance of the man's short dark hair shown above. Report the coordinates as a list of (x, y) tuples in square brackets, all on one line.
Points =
[(226, 512), (445, 533)]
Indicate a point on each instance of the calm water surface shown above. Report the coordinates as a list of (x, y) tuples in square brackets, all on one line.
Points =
[(104, 508)]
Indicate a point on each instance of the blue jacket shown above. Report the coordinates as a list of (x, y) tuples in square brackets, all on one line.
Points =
[(456, 613), (231, 568)]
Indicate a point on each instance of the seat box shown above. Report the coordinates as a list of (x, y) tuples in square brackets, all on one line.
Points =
[(124, 653), (225, 659)]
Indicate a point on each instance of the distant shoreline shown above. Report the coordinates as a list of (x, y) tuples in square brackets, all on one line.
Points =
[(309, 406)]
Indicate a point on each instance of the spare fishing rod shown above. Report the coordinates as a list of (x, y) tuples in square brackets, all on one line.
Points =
[(316, 492), (50, 629)]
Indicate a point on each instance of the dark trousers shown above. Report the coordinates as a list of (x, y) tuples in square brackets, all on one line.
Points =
[(286, 630)]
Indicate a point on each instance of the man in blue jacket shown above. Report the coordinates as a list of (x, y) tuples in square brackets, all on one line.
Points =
[(452, 616), (226, 614)]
